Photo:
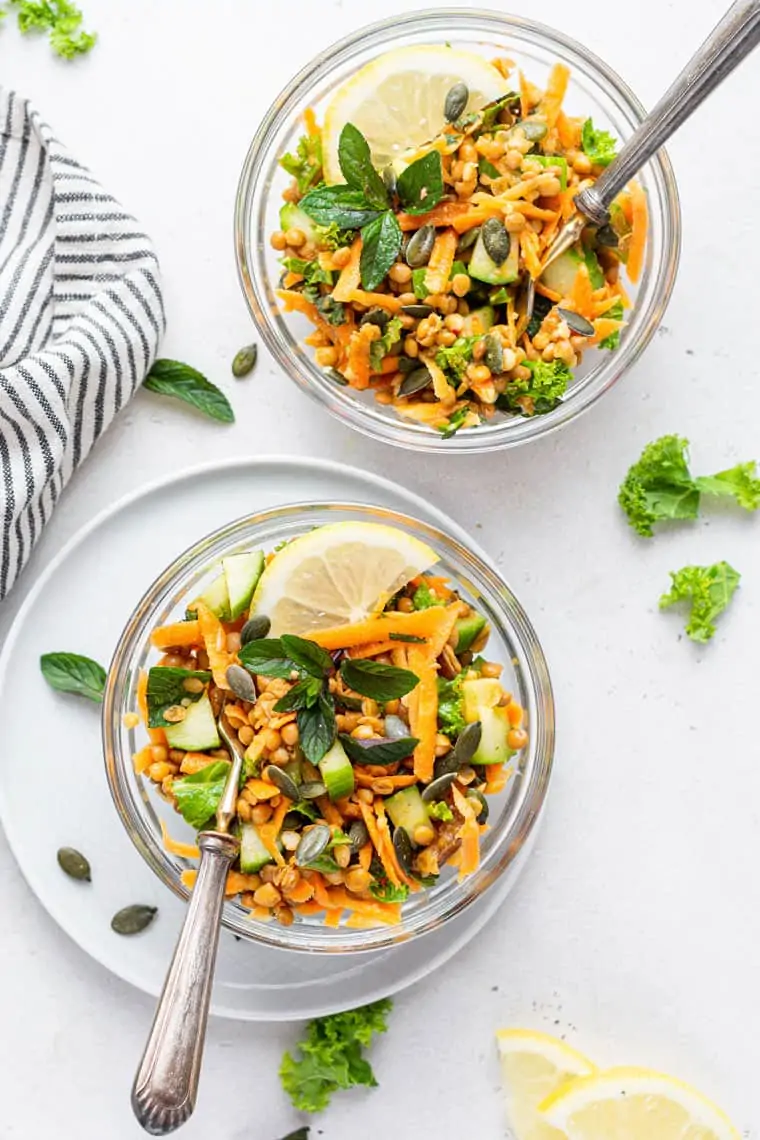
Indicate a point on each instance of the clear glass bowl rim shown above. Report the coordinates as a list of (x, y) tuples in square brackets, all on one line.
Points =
[(515, 625), (366, 419)]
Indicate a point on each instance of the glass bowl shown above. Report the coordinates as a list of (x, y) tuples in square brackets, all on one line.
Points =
[(595, 90), (513, 642)]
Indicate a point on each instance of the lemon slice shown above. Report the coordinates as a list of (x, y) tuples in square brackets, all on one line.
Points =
[(635, 1104), (533, 1065), (396, 101), (337, 573)]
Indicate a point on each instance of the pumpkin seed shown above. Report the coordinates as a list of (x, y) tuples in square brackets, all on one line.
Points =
[(283, 781), (402, 845), (74, 864), (314, 843), (467, 743), (395, 729), (133, 919), (376, 316), (257, 626), (493, 356), (358, 834), (468, 239), (415, 381), (455, 102), (311, 790), (241, 683), (533, 129), (406, 364), (605, 235), (436, 789), (474, 794), (336, 376), (420, 247), (245, 361), (496, 240), (446, 764), (576, 322), (417, 310)]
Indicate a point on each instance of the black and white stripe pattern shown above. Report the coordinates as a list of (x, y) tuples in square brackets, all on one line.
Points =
[(81, 316)]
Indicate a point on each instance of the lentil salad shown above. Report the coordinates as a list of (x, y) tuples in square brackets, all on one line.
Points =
[(413, 274), (372, 746)]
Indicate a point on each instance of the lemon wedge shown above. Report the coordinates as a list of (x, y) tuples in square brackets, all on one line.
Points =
[(534, 1065), (338, 573), (396, 100), (634, 1104)]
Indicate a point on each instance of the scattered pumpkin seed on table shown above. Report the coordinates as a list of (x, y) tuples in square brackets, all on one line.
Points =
[(245, 361), (133, 919), (74, 864)]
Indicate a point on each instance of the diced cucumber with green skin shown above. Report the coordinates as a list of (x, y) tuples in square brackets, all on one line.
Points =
[(479, 321), (560, 274), (253, 853), (482, 693), (242, 573), (557, 160), (197, 732), (595, 273), (467, 630), (217, 598), (337, 773), (407, 809), (493, 747), (482, 268), (293, 218)]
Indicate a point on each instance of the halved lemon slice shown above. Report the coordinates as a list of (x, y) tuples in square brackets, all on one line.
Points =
[(396, 101), (337, 573), (533, 1065), (635, 1104)]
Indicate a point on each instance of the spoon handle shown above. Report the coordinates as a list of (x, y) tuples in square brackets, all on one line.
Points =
[(165, 1087), (727, 45)]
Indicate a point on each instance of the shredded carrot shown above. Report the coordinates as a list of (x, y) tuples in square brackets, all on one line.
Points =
[(261, 914), (548, 293), (365, 781), (332, 918), (381, 300), (329, 811), (310, 122), (529, 249), (188, 878), (530, 96), (443, 215), (156, 735), (143, 759), (339, 899), (639, 221), (179, 633), (469, 834), (300, 893), (398, 656), (238, 882), (174, 847), (365, 856), (350, 274), (442, 633), (268, 832), (445, 394), (262, 789), (371, 823), (603, 327), (387, 842), (568, 131), (309, 908), (604, 304), (581, 292), (215, 641), (358, 370), (294, 301), (291, 279), (422, 623), (371, 649), (423, 712), (556, 87), (441, 261)]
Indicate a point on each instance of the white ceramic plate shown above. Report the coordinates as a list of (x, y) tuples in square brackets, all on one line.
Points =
[(55, 793)]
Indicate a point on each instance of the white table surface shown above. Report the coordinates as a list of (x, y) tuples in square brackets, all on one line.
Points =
[(635, 929)]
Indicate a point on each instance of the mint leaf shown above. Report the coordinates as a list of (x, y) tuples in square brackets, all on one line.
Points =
[(303, 695), (599, 146), (707, 590), (173, 378), (381, 242), (316, 728), (378, 751), (166, 687), (420, 185), (307, 655), (72, 673), (378, 681), (198, 795), (267, 657), (342, 205), (357, 169)]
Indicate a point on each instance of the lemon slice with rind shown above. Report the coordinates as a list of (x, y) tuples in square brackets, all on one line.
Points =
[(534, 1065), (396, 100), (338, 573), (635, 1104)]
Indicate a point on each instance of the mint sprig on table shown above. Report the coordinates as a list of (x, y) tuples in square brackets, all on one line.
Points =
[(173, 378), (364, 202), (707, 590), (72, 673), (59, 18)]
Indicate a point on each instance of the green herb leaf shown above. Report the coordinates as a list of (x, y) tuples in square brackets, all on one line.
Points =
[(378, 681), (419, 288), (488, 168), (198, 795), (166, 687), (454, 359), (324, 863), (303, 695), (451, 706), (541, 393), (615, 313), (61, 19), (306, 164), (739, 483), (71, 673), (316, 728), (708, 589), (380, 348), (378, 752), (409, 637), (357, 169), (334, 312), (454, 422), (387, 893), (423, 597), (599, 146), (307, 655), (381, 242), (341, 205), (541, 307), (330, 1056), (173, 378), (420, 185), (267, 656), (489, 115), (659, 485), (441, 811)]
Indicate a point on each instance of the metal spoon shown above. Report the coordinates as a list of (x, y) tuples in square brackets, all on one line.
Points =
[(730, 41), (166, 1084)]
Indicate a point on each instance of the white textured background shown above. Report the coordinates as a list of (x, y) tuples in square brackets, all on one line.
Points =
[(635, 929)]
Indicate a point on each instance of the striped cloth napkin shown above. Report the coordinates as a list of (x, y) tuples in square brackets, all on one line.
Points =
[(81, 317)]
